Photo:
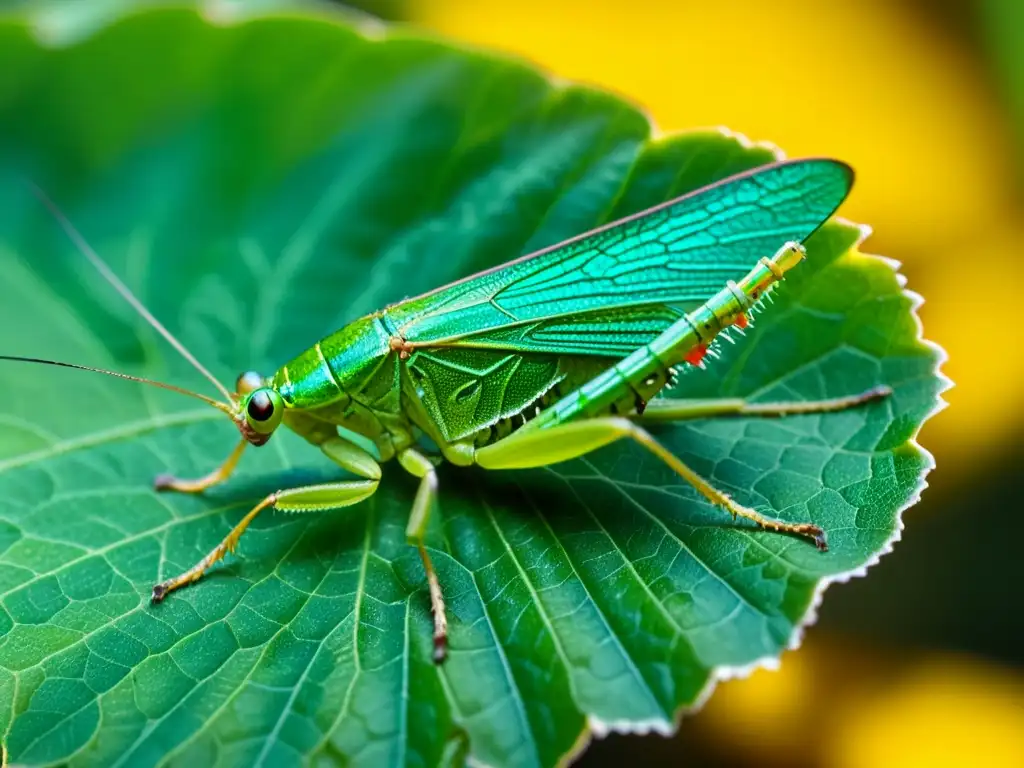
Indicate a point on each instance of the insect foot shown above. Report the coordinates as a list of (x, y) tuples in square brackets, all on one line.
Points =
[(164, 482), (159, 593), (820, 540)]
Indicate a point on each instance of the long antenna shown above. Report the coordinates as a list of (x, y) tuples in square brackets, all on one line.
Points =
[(208, 400), (114, 280)]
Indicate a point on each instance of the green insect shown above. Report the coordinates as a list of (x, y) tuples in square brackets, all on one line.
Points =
[(534, 362)]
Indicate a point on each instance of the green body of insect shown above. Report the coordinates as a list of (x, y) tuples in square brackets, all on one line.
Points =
[(540, 360)]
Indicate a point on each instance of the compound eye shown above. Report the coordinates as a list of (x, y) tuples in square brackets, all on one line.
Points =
[(261, 407), (248, 382), (264, 410)]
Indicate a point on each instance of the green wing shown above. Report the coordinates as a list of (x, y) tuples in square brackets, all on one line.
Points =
[(611, 290), (487, 347)]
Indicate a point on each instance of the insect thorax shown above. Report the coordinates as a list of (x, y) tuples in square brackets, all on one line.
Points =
[(482, 395), (345, 364)]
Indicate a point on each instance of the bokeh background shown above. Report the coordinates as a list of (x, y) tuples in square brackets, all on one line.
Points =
[(922, 662)]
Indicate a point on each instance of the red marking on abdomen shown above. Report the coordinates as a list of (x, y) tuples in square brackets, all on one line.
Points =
[(742, 321), (695, 355)]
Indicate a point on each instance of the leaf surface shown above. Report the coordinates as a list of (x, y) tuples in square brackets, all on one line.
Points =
[(261, 182)]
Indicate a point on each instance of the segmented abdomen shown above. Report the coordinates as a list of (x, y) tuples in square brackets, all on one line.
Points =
[(643, 374)]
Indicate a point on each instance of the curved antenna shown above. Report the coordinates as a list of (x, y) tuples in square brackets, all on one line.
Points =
[(114, 280), (39, 361)]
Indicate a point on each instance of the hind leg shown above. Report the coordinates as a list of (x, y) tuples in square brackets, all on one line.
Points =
[(678, 410), (561, 442)]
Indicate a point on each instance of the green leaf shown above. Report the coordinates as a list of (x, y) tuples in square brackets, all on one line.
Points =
[(261, 182)]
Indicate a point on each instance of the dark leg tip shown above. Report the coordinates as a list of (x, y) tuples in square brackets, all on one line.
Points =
[(440, 650), (159, 593), (163, 482), (820, 540)]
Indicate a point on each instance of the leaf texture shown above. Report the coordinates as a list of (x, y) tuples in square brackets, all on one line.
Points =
[(261, 181)]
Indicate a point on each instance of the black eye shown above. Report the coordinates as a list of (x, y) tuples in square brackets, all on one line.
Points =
[(260, 407)]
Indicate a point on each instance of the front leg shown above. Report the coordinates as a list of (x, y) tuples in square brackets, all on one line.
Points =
[(219, 475), (310, 498)]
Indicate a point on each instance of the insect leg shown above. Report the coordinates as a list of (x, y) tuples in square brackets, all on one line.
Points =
[(678, 410), (310, 498), (219, 475), (419, 465), (562, 442)]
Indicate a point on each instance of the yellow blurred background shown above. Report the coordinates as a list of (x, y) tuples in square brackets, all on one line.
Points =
[(919, 664), (922, 662)]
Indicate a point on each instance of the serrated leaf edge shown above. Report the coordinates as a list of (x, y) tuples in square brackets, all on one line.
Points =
[(599, 728), (220, 13)]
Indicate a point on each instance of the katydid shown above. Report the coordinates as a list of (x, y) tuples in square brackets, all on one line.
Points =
[(531, 363)]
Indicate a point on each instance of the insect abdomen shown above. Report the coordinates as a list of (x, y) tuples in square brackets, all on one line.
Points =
[(642, 374)]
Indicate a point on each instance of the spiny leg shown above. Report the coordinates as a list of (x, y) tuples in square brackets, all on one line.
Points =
[(419, 465), (562, 442), (678, 410), (219, 475), (311, 498)]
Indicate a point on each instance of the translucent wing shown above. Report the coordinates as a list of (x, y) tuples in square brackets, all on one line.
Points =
[(610, 290)]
